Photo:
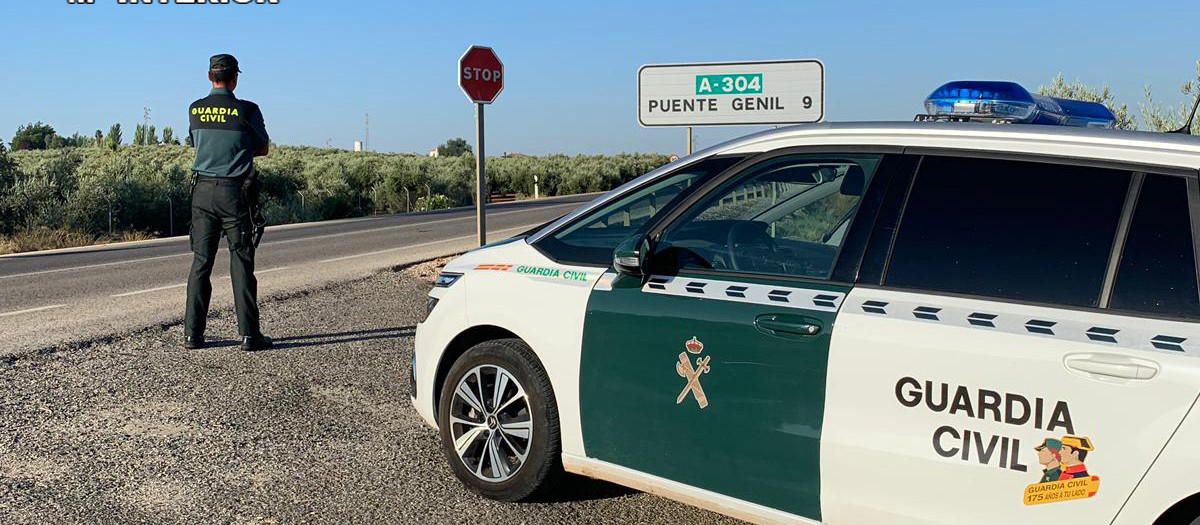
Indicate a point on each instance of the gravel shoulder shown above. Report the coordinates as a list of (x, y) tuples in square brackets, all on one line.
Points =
[(135, 429)]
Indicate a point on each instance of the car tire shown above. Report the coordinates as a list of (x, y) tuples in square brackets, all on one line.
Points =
[(481, 429)]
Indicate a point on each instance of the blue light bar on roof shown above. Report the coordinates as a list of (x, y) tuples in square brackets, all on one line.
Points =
[(1009, 102)]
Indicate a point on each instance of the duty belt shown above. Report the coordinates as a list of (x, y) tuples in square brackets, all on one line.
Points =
[(249, 197), (224, 181)]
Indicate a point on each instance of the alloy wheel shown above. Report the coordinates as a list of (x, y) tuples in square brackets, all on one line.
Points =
[(491, 423)]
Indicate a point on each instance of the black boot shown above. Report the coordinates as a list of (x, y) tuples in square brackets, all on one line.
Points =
[(193, 342), (251, 343)]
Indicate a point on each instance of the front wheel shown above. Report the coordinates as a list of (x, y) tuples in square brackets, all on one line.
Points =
[(499, 422)]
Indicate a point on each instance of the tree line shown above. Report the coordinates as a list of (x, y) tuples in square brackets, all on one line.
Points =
[(1155, 116), (41, 136), (99, 192)]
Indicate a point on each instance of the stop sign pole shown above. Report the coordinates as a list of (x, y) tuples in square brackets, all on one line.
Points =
[(480, 179), (481, 77)]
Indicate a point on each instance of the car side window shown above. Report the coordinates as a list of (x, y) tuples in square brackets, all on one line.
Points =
[(1024, 231), (784, 216), (1157, 273), (590, 240)]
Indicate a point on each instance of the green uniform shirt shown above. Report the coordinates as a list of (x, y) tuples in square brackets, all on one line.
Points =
[(1050, 474), (226, 132)]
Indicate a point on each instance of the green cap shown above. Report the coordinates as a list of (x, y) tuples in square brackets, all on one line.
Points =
[(1052, 444), (223, 61)]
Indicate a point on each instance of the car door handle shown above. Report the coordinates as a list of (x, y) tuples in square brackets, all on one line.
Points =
[(779, 324), (1108, 365)]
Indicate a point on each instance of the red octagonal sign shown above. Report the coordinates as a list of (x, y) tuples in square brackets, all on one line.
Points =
[(481, 74)]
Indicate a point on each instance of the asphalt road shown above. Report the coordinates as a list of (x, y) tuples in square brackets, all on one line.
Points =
[(134, 429), (73, 296)]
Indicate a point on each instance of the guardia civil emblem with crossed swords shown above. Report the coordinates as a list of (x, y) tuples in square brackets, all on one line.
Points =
[(684, 368)]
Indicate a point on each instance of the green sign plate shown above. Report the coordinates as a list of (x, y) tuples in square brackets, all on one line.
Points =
[(741, 84)]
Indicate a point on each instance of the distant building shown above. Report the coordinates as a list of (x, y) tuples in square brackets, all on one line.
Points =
[(433, 152), (358, 146)]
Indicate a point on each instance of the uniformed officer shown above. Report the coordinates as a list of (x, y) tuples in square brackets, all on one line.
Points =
[(227, 133)]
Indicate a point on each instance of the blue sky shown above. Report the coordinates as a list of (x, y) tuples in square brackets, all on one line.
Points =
[(317, 66)]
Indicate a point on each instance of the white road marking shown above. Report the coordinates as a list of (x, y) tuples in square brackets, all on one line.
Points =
[(260, 272), (89, 266), (32, 310), (159, 289), (172, 286), (411, 246), (301, 239)]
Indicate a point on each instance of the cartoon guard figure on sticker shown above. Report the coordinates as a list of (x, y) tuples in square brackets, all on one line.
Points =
[(684, 368), (1074, 451), (1049, 456), (1064, 475)]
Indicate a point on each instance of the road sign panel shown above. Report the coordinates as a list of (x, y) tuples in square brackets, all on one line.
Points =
[(481, 74), (731, 93)]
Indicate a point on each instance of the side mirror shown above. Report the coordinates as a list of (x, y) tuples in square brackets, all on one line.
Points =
[(629, 257)]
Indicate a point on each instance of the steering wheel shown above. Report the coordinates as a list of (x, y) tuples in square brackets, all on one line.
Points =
[(747, 234)]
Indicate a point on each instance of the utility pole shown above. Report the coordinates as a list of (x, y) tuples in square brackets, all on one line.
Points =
[(367, 134), (146, 121), (171, 215)]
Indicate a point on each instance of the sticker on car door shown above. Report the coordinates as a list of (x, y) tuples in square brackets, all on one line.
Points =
[(1065, 475)]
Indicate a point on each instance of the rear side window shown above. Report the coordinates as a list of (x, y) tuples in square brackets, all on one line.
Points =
[(590, 239), (1157, 274), (1015, 230)]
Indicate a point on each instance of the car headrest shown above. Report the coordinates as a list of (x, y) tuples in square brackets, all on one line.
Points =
[(854, 182)]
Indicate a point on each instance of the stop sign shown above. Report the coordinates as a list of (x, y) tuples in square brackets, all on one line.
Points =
[(480, 74)]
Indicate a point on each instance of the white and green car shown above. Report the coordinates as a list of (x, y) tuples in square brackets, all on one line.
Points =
[(894, 323)]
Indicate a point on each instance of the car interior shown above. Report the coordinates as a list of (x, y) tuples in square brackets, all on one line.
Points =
[(788, 219)]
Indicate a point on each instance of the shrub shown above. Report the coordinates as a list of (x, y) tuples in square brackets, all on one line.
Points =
[(437, 202)]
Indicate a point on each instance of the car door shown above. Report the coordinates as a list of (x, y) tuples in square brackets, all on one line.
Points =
[(710, 369), (1019, 351)]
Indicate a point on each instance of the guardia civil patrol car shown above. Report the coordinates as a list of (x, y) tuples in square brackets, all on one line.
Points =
[(895, 323)]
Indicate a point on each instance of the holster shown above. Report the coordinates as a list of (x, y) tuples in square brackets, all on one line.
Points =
[(251, 189)]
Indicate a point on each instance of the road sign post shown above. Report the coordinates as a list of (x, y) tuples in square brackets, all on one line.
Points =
[(481, 77), (480, 182)]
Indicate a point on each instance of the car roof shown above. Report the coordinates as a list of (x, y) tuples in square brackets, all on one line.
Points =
[(1169, 150), (1140, 147)]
